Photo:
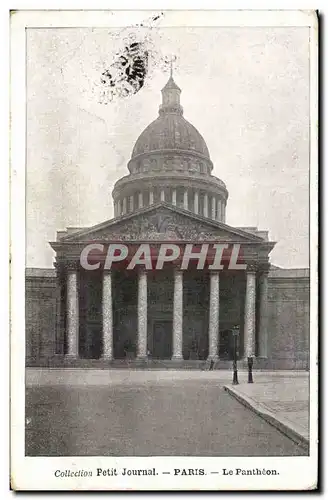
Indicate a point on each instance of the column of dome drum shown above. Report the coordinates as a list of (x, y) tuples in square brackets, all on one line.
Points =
[(195, 201)]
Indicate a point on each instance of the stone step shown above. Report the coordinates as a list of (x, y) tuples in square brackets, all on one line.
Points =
[(258, 364), (60, 362)]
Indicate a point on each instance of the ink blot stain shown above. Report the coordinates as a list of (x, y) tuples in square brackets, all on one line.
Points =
[(126, 75)]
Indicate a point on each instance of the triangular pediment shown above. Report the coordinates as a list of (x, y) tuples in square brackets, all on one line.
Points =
[(162, 222)]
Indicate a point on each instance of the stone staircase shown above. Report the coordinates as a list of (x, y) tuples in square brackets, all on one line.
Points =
[(157, 364), (154, 364)]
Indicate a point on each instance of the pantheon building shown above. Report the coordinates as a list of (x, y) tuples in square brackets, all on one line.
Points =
[(169, 317)]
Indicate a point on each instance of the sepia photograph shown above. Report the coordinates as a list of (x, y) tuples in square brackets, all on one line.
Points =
[(166, 312)]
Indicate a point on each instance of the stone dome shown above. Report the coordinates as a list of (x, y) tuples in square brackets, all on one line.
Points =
[(170, 131)]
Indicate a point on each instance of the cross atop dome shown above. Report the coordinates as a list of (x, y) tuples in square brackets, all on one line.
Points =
[(171, 83)]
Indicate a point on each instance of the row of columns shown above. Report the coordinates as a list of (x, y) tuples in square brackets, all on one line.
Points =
[(216, 211), (214, 320)]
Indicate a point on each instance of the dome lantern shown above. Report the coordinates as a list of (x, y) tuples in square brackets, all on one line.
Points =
[(171, 98)]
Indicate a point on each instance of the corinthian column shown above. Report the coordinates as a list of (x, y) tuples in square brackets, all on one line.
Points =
[(142, 315), (124, 209), (196, 202), (223, 212), (72, 314), (219, 212), (174, 197), (107, 316), (140, 200), (151, 197), (185, 199), (213, 330), (263, 311), (131, 203), (205, 210), (177, 315), (249, 322), (213, 207)]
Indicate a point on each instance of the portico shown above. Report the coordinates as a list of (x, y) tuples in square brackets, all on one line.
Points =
[(169, 314)]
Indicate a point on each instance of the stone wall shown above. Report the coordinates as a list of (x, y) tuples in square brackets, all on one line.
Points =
[(288, 319), (40, 314)]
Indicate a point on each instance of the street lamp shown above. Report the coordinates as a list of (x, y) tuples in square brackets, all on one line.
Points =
[(235, 334), (250, 369)]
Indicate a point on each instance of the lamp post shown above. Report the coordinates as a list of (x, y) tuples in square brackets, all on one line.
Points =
[(235, 334), (250, 369)]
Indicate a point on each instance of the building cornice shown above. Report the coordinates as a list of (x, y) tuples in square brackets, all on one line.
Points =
[(150, 180)]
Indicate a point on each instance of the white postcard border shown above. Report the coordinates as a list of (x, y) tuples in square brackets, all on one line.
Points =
[(29, 473)]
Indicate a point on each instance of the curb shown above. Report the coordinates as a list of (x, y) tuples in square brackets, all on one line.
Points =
[(267, 415)]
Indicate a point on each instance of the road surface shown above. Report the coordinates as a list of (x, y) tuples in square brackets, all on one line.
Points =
[(181, 417)]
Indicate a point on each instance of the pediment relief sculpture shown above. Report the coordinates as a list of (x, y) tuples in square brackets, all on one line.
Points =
[(162, 226)]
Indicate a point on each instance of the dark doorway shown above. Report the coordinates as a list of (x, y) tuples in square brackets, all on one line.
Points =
[(125, 297), (162, 340), (226, 345), (90, 314)]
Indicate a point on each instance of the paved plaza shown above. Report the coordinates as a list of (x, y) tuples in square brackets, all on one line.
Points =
[(140, 413), (283, 401)]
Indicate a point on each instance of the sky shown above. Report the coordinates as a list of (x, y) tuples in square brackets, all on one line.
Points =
[(245, 89)]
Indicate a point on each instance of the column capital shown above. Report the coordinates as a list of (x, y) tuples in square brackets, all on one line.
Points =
[(71, 265), (142, 271), (252, 267), (264, 268), (59, 266)]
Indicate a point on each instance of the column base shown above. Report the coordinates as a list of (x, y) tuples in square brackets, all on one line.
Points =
[(177, 357), (215, 358), (106, 358), (72, 356)]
